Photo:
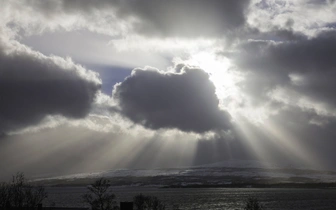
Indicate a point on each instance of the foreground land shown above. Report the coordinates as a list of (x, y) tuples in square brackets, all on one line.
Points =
[(208, 198)]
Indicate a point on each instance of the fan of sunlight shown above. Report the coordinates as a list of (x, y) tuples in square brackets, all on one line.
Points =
[(248, 119)]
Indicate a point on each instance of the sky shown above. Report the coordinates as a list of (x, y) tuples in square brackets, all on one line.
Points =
[(89, 85)]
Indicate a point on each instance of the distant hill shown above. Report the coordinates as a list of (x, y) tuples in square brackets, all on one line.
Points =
[(226, 173)]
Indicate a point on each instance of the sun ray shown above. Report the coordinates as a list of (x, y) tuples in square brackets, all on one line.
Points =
[(290, 142), (250, 134)]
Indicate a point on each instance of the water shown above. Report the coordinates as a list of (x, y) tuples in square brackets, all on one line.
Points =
[(209, 198)]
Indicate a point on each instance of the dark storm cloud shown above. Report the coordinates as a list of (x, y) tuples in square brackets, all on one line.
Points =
[(33, 86), (271, 64), (186, 100), (304, 55)]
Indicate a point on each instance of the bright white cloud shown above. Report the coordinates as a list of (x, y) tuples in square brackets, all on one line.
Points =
[(303, 16)]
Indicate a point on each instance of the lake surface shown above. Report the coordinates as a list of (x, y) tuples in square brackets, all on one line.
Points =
[(208, 198)]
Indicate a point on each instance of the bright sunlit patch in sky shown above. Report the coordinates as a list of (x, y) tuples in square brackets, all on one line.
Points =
[(228, 88), (222, 75)]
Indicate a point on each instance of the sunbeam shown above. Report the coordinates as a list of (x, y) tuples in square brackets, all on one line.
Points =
[(289, 142)]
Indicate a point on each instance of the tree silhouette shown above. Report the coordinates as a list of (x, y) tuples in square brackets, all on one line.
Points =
[(5, 195), (253, 204), (142, 202), (20, 194), (100, 196)]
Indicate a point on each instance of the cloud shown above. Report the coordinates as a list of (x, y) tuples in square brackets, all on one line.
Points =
[(298, 72), (186, 18), (184, 100), (302, 16), (33, 86), (38, 16)]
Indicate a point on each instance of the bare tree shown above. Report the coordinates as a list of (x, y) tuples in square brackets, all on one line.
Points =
[(20, 194), (34, 196), (5, 195), (100, 196), (18, 190), (253, 204), (143, 202)]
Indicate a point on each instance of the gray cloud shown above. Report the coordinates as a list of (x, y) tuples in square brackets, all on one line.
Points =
[(186, 17), (191, 18), (303, 16), (321, 2), (304, 55), (305, 66), (184, 100), (33, 85)]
